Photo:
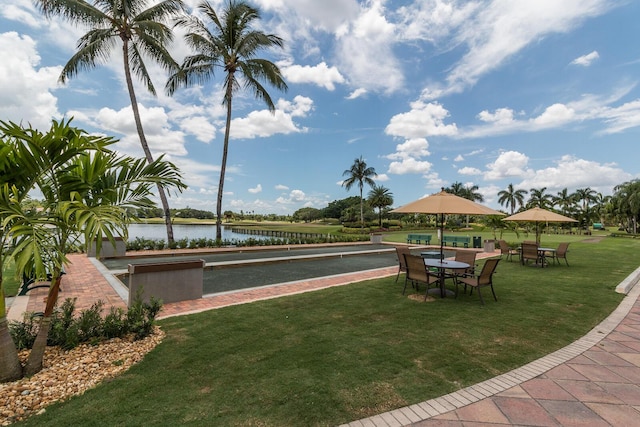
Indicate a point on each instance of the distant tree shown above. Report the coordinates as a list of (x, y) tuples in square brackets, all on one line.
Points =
[(360, 174), (626, 204), (511, 198), (335, 208), (307, 214), (538, 198), (143, 34), (231, 45), (564, 201), (380, 197)]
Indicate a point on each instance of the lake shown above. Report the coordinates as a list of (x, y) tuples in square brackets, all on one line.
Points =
[(188, 231)]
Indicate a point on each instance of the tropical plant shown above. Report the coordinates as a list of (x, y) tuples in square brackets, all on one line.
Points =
[(511, 198), (86, 188), (538, 198), (231, 45), (142, 32), (585, 197), (360, 174), (626, 204), (380, 197), (564, 201)]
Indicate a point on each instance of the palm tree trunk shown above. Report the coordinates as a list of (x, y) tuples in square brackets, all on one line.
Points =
[(361, 209), (34, 363), (10, 367), (223, 164), (143, 139)]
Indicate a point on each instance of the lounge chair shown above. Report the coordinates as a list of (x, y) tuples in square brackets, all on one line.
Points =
[(507, 250), (559, 253), (529, 251)]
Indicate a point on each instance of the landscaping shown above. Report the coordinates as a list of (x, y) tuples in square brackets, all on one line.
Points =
[(340, 354)]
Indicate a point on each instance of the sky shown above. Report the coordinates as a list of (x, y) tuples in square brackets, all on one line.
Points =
[(489, 93)]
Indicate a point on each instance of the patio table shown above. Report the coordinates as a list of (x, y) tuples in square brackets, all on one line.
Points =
[(443, 265)]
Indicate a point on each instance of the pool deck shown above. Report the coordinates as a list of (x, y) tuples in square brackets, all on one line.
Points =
[(594, 381)]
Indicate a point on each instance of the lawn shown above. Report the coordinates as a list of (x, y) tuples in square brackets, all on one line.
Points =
[(336, 355)]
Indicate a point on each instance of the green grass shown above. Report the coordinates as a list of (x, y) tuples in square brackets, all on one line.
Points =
[(340, 354)]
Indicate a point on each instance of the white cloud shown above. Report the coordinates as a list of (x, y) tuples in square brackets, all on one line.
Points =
[(508, 165), (257, 189), (424, 119), (369, 36), (357, 93), (503, 28), (459, 158), (501, 116), (409, 165), (321, 75), (586, 60), (469, 171), (281, 187), (555, 115), (27, 89), (572, 172), (263, 123), (411, 148), (382, 177), (200, 127)]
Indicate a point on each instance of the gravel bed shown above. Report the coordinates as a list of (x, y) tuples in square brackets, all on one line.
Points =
[(70, 373)]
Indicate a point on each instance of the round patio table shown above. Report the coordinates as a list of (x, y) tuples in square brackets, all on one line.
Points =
[(442, 266)]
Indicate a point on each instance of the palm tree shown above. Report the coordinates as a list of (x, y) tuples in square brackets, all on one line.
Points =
[(512, 198), (380, 197), (141, 31), (467, 192), (231, 45), (361, 174), (87, 190), (538, 198), (564, 201), (626, 202)]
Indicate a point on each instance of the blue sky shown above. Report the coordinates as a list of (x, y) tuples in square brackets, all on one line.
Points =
[(534, 93)]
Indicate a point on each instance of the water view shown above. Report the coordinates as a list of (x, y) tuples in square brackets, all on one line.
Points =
[(185, 231)]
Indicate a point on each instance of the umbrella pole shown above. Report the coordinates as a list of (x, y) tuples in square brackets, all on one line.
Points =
[(441, 236)]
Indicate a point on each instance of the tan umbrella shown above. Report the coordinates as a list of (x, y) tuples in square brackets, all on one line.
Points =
[(445, 203), (538, 215)]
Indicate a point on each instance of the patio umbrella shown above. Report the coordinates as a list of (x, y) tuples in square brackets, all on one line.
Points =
[(442, 204), (538, 215)]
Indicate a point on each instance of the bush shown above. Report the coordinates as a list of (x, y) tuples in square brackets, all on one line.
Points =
[(67, 331)]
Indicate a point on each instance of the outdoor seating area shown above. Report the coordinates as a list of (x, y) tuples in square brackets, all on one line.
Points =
[(542, 256)]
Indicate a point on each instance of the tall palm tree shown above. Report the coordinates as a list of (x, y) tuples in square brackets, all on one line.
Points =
[(538, 198), (142, 32), (361, 174), (564, 201), (231, 45), (512, 198), (380, 197), (626, 202)]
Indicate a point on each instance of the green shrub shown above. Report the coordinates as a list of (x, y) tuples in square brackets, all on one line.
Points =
[(24, 333)]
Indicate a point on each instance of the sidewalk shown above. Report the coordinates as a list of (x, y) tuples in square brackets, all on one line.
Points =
[(594, 381)]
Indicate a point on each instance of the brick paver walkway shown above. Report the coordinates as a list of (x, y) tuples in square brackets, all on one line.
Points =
[(594, 381)]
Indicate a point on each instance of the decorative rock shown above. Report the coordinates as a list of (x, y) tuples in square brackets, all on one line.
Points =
[(69, 373)]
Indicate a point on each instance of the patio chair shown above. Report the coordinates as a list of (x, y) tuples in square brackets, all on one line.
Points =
[(468, 257), (561, 252), (507, 250), (402, 266), (417, 273), (485, 278), (529, 251)]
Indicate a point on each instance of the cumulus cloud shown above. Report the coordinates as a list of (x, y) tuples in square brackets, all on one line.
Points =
[(424, 119), (281, 187), (262, 123), (501, 116), (200, 127), (255, 190), (411, 148), (586, 60), (572, 172), (27, 89), (409, 165), (357, 93), (320, 75), (469, 171), (508, 165)]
